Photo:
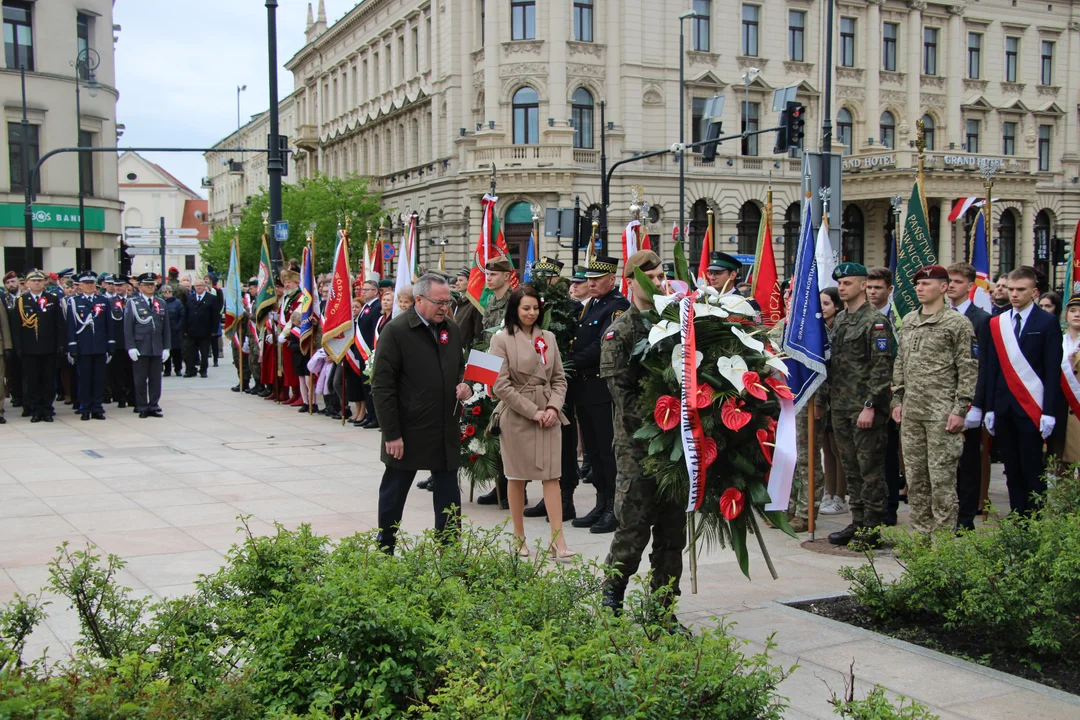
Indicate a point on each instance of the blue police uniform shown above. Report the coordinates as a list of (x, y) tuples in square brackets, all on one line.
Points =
[(90, 341)]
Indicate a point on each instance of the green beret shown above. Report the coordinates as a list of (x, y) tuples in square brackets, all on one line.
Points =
[(386, 283), (849, 269)]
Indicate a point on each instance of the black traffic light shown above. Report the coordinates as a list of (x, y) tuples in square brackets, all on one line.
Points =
[(792, 128), (1057, 248)]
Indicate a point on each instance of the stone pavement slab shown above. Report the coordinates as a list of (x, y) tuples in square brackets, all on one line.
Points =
[(164, 494)]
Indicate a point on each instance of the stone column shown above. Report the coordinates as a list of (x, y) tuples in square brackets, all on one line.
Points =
[(558, 22), (946, 236), (954, 84), (1025, 234), (914, 65), (871, 43), (495, 31)]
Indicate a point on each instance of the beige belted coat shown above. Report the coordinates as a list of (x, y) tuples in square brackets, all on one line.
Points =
[(526, 385)]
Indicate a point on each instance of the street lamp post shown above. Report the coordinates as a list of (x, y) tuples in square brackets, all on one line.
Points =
[(28, 213), (273, 163), (681, 157), (85, 64), (239, 89)]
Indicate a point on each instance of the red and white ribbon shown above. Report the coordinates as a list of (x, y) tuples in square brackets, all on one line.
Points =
[(541, 347), (693, 435), (785, 456), (1022, 380), (1070, 386)]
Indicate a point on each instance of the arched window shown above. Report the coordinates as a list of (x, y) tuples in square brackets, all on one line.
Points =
[(526, 117), (1007, 242), (844, 130), (888, 130), (699, 222), (852, 235), (517, 227), (928, 131), (792, 220), (749, 224), (582, 114)]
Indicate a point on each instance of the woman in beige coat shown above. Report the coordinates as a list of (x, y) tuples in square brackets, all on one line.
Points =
[(531, 388)]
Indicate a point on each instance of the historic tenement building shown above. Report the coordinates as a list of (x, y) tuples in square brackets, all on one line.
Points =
[(424, 97)]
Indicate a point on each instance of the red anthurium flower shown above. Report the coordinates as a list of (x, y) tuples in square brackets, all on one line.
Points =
[(754, 388), (765, 441), (731, 503), (477, 410), (708, 452), (666, 413), (771, 427), (464, 436), (470, 430), (782, 391), (732, 414), (704, 395), (473, 458)]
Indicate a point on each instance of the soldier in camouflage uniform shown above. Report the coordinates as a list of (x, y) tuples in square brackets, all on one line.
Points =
[(860, 372), (938, 356), (641, 513)]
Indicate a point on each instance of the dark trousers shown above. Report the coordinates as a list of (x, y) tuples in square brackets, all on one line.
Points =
[(394, 490), (175, 361), (215, 347), (569, 481), (147, 375), (894, 481), (196, 354), (13, 367), (969, 479), (1021, 448), (39, 383), (120, 379), (598, 437), (91, 383)]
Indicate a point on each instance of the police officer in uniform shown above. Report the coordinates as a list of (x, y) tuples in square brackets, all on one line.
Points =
[(642, 513), (148, 340), (39, 336), (89, 344), (589, 391), (120, 375)]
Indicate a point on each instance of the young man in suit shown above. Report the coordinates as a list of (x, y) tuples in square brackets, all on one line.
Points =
[(1021, 388), (969, 470)]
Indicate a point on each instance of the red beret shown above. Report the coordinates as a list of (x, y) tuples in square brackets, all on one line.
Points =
[(10, 275), (930, 272)]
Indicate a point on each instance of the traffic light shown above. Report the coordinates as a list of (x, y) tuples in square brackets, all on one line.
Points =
[(1057, 246), (791, 130)]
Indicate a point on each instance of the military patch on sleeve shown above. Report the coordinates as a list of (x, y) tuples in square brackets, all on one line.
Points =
[(615, 315), (609, 335), (882, 344), (879, 326), (974, 348)]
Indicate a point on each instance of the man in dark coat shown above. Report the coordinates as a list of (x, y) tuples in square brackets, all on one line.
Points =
[(202, 312), (175, 308), (39, 335), (416, 384)]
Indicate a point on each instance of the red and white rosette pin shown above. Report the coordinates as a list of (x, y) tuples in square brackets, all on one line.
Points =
[(541, 349), (444, 337)]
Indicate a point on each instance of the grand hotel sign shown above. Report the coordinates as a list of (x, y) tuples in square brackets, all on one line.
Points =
[(972, 162)]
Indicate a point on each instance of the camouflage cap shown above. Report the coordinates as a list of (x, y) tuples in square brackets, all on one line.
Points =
[(499, 263), (644, 259)]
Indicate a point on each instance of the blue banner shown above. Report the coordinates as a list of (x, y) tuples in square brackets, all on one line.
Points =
[(806, 341)]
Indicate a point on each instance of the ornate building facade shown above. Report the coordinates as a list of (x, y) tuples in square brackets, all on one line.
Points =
[(425, 97)]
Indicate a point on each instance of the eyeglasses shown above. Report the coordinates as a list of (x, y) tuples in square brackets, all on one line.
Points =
[(440, 303)]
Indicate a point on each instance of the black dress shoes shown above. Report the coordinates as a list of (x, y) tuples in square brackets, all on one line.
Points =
[(154, 413), (143, 415), (843, 537), (121, 405), (26, 412), (3, 421), (85, 416), (426, 484), (48, 418), (35, 419), (537, 510), (98, 416), (235, 388)]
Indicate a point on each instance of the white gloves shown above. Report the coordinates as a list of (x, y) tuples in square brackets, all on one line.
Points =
[(71, 359), (164, 355), (245, 348), (973, 419), (988, 421), (1046, 425), (281, 338), (133, 354), (108, 358)]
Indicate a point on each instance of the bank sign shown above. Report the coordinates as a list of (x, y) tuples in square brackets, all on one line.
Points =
[(52, 217)]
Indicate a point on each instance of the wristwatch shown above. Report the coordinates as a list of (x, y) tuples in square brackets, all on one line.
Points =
[(868, 405)]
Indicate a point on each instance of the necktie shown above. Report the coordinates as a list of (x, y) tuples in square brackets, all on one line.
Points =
[(1016, 325)]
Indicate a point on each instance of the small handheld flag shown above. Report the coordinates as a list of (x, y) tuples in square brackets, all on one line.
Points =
[(482, 367)]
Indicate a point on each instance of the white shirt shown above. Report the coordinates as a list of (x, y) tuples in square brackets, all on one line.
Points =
[(198, 298), (962, 307), (1024, 315)]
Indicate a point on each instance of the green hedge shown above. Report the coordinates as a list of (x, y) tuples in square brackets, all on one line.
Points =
[(295, 626)]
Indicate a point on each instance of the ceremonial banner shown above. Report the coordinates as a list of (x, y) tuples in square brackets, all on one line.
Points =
[(1072, 279), (491, 243), (267, 293), (961, 206), (629, 247), (766, 287), (703, 263), (482, 367), (406, 268), (338, 326), (234, 301), (980, 259), (824, 257), (309, 308), (915, 251), (530, 257), (805, 339)]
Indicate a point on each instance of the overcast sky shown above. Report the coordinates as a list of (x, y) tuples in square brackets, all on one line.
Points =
[(178, 65)]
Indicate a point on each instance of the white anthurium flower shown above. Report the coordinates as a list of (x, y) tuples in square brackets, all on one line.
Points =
[(660, 302), (701, 309), (708, 289), (737, 304), (661, 330), (776, 364), (748, 340), (476, 447), (732, 369), (677, 360)]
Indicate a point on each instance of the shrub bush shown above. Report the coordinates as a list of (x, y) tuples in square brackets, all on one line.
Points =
[(1017, 582), (293, 626)]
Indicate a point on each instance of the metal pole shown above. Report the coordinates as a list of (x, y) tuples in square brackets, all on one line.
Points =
[(605, 182), (273, 164), (577, 224), (681, 157), (161, 231), (826, 123), (78, 141), (28, 212)]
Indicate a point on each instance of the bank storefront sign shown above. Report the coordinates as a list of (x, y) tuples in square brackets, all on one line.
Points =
[(52, 217)]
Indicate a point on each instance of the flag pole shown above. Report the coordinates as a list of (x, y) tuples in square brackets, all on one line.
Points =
[(311, 343), (344, 236), (240, 350), (988, 171), (811, 456)]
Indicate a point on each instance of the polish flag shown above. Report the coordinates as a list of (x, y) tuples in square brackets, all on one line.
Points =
[(960, 207), (482, 367), (674, 231)]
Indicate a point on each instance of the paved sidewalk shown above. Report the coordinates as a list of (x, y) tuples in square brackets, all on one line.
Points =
[(164, 495)]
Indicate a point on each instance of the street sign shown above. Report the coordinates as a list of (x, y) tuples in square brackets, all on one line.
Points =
[(388, 252), (559, 222), (133, 251), (170, 242), (281, 230), (156, 232)]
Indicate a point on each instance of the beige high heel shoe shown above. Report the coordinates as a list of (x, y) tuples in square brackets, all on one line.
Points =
[(562, 555)]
